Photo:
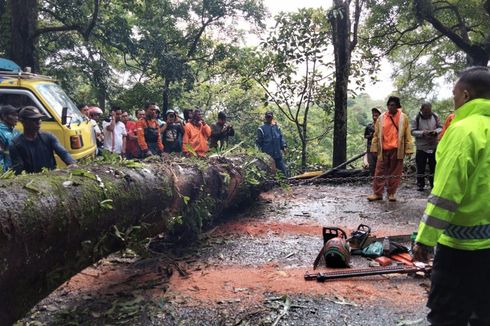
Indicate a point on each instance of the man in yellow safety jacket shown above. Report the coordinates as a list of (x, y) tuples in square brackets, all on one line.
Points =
[(457, 216)]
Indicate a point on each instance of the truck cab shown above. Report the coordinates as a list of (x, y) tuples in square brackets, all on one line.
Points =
[(63, 119)]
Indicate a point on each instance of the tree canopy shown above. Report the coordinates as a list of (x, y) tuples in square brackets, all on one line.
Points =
[(309, 67)]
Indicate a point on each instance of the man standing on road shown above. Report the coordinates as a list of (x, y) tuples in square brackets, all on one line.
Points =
[(425, 128), (270, 140), (392, 141), (368, 135), (34, 150), (457, 215)]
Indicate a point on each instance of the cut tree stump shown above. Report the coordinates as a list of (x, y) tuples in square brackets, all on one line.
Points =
[(55, 224)]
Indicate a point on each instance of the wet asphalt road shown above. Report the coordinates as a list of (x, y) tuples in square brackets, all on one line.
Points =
[(260, 255)]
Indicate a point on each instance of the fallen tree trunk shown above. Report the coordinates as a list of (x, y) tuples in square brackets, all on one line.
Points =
[(54, 224)]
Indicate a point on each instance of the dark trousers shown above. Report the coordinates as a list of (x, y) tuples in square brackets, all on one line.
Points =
[(421, 159), (281, 166), (460, 289), (372, 158)]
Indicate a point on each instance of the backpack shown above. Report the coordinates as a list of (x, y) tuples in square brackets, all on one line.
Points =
[(417, 119), (151, 133)]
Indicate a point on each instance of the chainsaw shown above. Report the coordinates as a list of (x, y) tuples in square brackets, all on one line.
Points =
[(337, 235), (358, 237)]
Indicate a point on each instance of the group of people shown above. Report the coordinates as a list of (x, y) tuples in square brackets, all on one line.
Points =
[(457, 216), (30, 151), (147, 135), (389, 140), (192, 136)]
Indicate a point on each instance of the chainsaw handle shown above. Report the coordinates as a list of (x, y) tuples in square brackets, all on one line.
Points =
[(364, 227), (330, 232)]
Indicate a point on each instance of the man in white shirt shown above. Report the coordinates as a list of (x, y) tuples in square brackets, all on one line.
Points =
[(115, 132)]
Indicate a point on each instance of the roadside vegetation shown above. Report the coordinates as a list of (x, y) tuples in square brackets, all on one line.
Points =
[(193, 53)]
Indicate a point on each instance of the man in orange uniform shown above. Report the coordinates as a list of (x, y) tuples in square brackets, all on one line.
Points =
[(196, 135), (148, 131), (447, 123), (391, 142)]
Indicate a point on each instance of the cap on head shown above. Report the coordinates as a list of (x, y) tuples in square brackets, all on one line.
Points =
[(375, 110), (170, 111), (222, 115), (30, 112), (8, 109)]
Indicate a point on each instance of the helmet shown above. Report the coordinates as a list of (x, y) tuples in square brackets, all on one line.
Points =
[(94, 110), (337, 252)]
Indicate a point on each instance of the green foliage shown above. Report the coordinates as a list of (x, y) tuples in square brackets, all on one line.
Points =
[(423, 55), (290, 66)]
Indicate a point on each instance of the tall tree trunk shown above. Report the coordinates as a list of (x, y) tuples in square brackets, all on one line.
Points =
[(54, 224), (304, 144), (480, 58), (166, 96), (303, 156), (340, 20), (101, 97), (23, 26)]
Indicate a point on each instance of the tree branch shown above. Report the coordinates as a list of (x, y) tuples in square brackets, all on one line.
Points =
[(69, 27), (357, 15), (92, 23), (428, 15)]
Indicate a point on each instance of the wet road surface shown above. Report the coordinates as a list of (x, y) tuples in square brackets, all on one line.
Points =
[(249, 270)]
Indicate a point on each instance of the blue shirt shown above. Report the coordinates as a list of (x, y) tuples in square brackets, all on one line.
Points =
[(270, 140), (34, 155), (7, 133)]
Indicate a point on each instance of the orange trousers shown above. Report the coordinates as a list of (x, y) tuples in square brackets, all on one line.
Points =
[(388, 172)]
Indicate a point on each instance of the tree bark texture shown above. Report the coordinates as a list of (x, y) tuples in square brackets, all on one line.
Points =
[(340, 21), (56, 223), (23, 27)]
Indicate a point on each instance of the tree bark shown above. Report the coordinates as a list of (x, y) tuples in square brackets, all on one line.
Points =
[(165, 96), (54, 224), (23, 27), (340, 19)]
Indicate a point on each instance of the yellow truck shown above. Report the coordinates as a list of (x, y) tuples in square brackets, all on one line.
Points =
[(63, 119)]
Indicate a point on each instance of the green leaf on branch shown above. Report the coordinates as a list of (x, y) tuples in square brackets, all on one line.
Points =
[(107, 204)]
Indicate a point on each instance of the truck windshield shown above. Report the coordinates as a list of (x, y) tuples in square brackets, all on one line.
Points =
[(57, 99)]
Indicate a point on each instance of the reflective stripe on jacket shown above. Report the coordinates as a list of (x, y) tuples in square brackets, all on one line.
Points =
[(405, 142), (458, 210)]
